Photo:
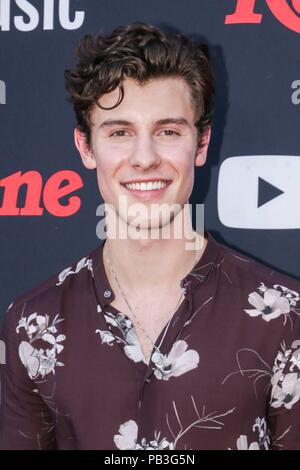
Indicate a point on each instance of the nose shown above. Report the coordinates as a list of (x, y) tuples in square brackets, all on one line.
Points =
[(144, 153)]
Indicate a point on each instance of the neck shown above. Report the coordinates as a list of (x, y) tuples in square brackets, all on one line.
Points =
[(146, 265)]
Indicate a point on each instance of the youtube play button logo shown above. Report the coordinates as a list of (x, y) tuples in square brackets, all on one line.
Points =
[(260, 192)]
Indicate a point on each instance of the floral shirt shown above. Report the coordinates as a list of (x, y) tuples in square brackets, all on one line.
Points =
[(225, 374)]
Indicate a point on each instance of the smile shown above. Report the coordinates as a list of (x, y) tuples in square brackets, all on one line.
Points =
[(147, 189), (149, 186)]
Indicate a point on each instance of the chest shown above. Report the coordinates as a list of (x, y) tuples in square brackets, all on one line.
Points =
[(149, 319), (146, 343)]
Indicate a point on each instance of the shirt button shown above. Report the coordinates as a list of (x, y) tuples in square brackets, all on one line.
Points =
[(148, 381), (107, 294)]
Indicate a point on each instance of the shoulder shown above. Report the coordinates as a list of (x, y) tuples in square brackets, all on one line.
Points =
[(245, 268), (48, 297), (263, 291)]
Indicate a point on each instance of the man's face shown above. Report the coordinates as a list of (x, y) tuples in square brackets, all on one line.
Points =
[(150, 136)]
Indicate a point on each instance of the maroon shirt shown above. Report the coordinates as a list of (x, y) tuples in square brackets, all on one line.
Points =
[(227, 376)]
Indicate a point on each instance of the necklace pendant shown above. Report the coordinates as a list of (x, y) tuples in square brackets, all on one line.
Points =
[(157, 358)]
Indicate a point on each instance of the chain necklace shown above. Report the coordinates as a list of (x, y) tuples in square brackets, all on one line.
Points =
[(156, 357)]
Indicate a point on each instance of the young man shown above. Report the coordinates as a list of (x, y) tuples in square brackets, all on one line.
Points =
[(144, 343)]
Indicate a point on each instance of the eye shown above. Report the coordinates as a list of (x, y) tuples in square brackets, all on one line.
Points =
[(119, 133), (171, 132)]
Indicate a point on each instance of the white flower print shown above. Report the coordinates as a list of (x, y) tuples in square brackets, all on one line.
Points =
[(286, 386), (133, 348), (40, 362), (279, 364), (242, 444), (119, 321), (127, 439), (155, 444), (244, 359), (281, 359), (263, 437), (31, 328), (37, 362), (263, 432), (128, 431), (30, 358), (128, 338), (295, 358), (287, 391), (83, 263), (270, 303), (270, 306), (106, 337), (177, 362)]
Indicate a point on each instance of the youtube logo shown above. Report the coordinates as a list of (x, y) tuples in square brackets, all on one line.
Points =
[(260, 192)]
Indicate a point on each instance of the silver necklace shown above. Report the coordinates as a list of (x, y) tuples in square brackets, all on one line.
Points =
[(156, 357)]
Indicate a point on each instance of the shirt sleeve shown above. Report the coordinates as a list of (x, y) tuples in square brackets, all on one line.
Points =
[(284, 405), (25, 421)]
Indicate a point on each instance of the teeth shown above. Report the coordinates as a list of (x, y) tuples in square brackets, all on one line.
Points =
[(147, 186)]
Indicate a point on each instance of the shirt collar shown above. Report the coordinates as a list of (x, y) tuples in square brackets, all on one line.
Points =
[(195, 277)]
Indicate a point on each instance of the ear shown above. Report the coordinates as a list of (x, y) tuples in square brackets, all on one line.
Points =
[(87, 156), (203, 143)]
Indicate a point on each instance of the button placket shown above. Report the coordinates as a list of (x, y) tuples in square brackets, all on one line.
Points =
[(141, 395)]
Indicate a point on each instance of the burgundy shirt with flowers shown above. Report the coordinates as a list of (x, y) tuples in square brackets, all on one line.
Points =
[(227, 374)]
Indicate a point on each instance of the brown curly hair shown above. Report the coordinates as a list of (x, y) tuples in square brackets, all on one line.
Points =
[(140, 51)]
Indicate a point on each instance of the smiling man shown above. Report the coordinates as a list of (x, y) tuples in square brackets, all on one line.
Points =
[(146, 343), (144, 150)]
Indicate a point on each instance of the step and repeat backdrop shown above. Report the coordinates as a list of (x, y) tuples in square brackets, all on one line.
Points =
[(250, 184)]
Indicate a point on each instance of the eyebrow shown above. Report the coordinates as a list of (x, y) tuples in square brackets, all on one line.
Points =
[(121, 122)]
